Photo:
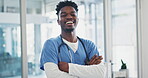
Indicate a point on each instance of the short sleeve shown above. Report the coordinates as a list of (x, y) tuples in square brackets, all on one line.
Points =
[(49, 54), (91, 49)]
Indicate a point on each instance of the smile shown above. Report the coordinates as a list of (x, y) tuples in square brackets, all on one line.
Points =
[(69, 22)]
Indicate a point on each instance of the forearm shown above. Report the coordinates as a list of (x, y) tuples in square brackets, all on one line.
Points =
[(52, 71), (90, 71)]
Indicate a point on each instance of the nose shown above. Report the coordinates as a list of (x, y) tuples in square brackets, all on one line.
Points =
[(69, 17)]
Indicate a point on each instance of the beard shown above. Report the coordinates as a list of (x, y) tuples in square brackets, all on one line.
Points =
[(69, 30)]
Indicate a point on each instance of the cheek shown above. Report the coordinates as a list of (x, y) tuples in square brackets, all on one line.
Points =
[(60, 22)]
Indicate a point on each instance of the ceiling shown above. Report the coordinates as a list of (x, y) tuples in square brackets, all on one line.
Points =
[(50, 5)]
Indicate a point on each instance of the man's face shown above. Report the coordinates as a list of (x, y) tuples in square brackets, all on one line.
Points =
[(67, 18)]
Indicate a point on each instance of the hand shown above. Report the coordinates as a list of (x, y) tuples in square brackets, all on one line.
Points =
[(63, 66), (95, 60)]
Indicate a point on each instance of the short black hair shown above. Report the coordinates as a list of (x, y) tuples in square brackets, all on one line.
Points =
[(66, 3)]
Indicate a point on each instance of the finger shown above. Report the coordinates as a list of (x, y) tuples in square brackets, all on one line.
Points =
[(94, 60), (98, 61), (100, 57), (93, 57)]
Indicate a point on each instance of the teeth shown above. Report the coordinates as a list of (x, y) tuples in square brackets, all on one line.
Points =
[(69, 22)]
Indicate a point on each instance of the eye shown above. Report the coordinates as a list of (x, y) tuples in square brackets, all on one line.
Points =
[(63, 15), (73, 14)]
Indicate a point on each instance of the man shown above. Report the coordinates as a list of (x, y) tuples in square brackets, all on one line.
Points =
[(68, 56)]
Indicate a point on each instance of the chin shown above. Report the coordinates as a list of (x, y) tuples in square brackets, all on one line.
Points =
[(69, 30)]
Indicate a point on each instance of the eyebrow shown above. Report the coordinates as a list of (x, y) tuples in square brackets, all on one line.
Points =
[(65, 12), (73, 12), (62, 12)]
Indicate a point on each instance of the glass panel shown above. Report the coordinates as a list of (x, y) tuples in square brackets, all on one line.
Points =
[(10, 40), (91, 20), (124, 35), (34, 21)]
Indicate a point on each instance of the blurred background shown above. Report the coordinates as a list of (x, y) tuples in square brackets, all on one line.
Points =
[(41, 24)]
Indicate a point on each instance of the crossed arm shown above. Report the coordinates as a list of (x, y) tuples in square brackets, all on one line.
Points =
[(94, 69), (64, 66)]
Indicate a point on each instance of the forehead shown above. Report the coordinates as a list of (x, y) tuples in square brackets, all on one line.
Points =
[(67, 9)]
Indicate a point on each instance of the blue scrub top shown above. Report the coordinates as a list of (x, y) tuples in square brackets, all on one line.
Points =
[(50, 52)]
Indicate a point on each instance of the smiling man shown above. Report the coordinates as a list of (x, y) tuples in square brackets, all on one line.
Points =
[(67, 19), (68, 56)]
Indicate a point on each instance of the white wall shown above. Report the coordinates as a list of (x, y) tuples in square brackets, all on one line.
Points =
[(37, 19), (144, 37)]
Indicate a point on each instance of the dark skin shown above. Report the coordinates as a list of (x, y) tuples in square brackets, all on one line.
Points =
[(68, 32), (69, 14), (63, 66)]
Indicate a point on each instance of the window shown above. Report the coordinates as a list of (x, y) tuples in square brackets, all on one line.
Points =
[(41, 24), (124, 35), (10, 42)]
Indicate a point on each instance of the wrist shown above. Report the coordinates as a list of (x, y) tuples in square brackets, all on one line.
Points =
[(63, 66)]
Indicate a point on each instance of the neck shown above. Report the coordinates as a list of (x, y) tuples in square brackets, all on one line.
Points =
[(71, 37)]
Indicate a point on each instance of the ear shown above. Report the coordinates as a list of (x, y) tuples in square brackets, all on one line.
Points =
[(58, 22)]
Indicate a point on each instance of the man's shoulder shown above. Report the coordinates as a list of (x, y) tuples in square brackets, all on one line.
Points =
[(85, 40), (53, 40)]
